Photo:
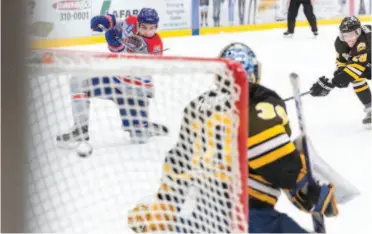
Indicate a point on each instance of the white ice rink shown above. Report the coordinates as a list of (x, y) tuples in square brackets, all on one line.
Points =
[(94, 194)]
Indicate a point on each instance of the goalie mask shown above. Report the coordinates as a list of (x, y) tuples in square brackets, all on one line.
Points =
[(242, 53)]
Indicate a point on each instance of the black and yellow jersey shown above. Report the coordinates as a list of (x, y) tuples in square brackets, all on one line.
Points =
[(274, 162), (205, 146), (354, 63)]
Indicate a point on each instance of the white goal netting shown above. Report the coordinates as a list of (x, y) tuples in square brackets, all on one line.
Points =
[(107, 151)]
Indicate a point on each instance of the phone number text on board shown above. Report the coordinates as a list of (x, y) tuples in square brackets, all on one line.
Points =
[(81, 15)]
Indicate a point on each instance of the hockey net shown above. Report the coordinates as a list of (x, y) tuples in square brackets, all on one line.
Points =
[(68, 193)]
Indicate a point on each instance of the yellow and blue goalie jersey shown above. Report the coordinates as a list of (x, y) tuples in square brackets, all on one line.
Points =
[(204, 145)]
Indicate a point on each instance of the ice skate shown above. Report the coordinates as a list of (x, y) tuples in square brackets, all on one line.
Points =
[(71, 139), (142, 136), (367, 122), (287, 34)]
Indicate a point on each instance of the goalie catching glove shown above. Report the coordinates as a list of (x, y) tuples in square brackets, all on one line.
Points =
[(313, 197), (157, 216)]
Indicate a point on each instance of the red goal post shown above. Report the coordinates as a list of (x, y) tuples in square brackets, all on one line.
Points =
[(47, 65)]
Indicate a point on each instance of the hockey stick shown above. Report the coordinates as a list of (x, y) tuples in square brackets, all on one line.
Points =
[(318, 219), (129, 46), (302, 94)]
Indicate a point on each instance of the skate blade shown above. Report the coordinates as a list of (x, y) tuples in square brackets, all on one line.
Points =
[(367, 126), (139, 139), (67, 144)]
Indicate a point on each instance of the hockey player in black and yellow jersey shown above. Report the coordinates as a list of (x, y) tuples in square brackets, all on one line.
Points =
[(353, 47), (274, 164)]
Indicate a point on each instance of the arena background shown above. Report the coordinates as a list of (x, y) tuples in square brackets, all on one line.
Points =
[(60, 23)]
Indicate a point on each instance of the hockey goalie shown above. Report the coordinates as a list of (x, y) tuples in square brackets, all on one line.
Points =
[(194, 194), (131, 94)]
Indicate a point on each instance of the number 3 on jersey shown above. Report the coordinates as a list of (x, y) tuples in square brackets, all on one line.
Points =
[(268, 111)]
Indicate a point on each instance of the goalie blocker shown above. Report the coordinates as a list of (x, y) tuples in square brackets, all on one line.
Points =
[(274, 164)]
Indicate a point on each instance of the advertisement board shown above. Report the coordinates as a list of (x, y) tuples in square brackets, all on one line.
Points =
[(241, 12), (70, 19), (59, 18), (173, 14)]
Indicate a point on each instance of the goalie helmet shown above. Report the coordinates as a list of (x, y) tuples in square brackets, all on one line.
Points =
[(241, 52)]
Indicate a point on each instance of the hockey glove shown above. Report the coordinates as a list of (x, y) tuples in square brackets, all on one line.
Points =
[(137, 44), (108, 21), (321, 88), (314, 198), (112, 37), (340, 69), (158, 216), (342, 80)]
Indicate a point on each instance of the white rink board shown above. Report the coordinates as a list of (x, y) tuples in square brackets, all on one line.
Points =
[(71, 19), (62, 19)]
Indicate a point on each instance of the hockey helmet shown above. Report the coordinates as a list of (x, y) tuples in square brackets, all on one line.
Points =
[(148, 16), (244, 54), (350, 24)]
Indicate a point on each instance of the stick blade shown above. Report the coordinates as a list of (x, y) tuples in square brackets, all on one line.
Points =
[(294, 78), (293, 75)]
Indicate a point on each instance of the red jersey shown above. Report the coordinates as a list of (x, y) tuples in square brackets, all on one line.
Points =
[(128, 27)]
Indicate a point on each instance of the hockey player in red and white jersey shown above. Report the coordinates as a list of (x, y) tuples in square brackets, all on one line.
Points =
[(139, 31), (131, 94)]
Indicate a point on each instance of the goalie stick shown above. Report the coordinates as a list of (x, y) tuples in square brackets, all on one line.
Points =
[(127, 45), (318, 219)]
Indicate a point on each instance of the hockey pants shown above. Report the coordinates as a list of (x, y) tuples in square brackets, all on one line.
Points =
[(272, 221)]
